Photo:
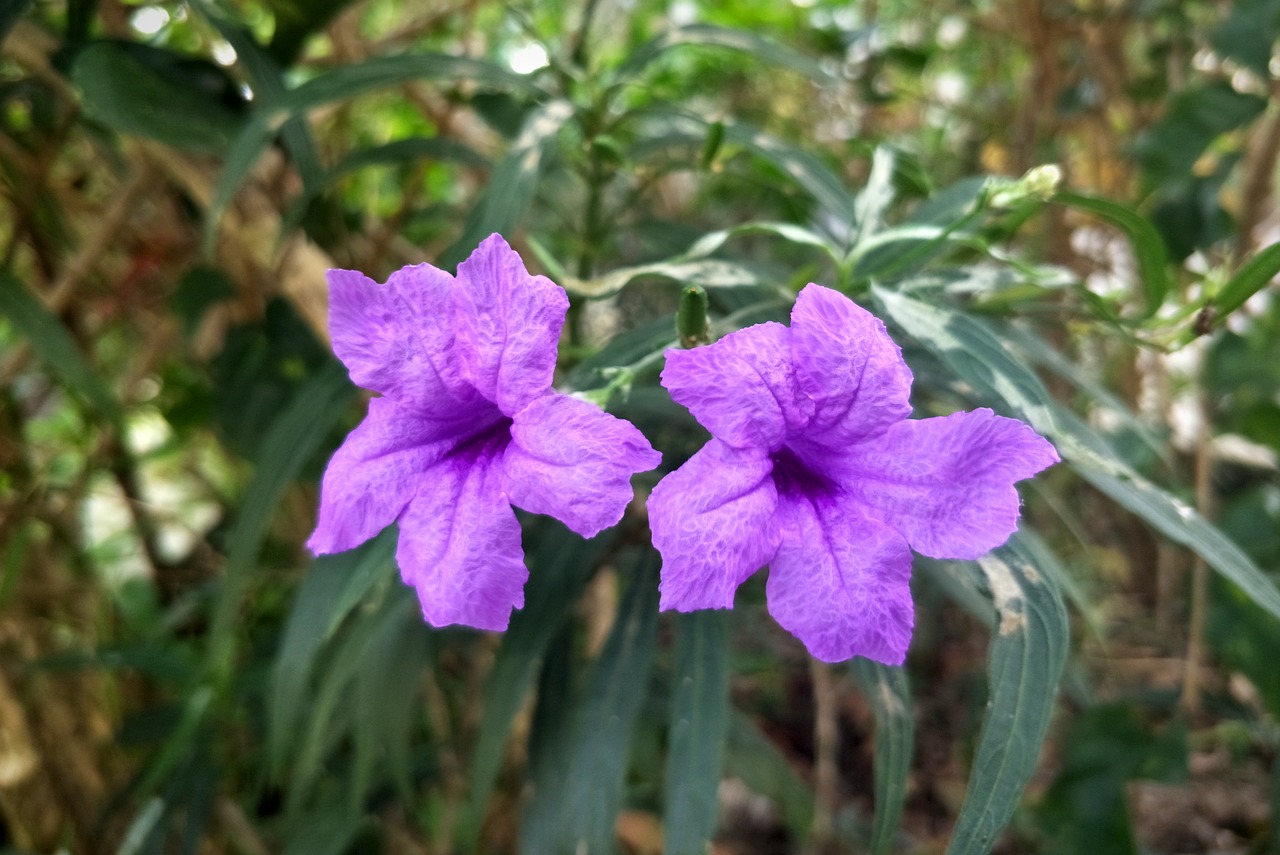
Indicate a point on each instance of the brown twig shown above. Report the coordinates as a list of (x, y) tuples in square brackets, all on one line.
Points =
[(1200, 570)]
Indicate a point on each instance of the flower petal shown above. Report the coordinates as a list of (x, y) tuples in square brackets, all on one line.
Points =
[(460, 545), (846, 362), (840, 582), (570, 460), (947, 483), (394, 338), (375, 473), (740, 388), (508, 325), (712, 523)]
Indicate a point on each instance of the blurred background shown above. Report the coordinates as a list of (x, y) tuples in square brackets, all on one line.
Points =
[(178, 675)]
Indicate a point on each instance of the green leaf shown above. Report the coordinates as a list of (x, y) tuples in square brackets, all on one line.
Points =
[(1251, 278), (1197, 116), (973, 353), (387, 703), (515, 180), (1024, 666), (334, 586), (292, 440), (565, 562), (1148, 246), (709, 273), (708, 35), (344, 82), (324, 832), (604, 722), (332, 708), (890, 697), (55, 347), (699, 730), (150, 92)]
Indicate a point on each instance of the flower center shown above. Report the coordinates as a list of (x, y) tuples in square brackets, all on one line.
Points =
[(793, 476), (488, 441)]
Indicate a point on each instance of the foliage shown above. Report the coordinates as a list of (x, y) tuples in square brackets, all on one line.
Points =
[(180, 676)]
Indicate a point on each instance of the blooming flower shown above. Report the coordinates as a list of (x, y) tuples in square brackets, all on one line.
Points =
[(467, 426), (814, 469)]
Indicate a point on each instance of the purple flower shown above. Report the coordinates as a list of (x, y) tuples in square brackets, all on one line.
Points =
[(467, 426), (814, 469)]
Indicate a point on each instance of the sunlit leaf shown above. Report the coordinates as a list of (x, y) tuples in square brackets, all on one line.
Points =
[(708, 35)]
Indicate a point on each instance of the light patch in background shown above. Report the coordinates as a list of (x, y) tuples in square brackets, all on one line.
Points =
[(682, 13), (149, 20), (175, 499), (527, 58), (223, 53), (951, 31)]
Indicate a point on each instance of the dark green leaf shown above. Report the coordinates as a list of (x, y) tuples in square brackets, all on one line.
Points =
[(699, 730), (10, 12), (1027, 655), (565, 562), (333, 587), (890, 697), (153, 93), (587, 803), (758, 763)]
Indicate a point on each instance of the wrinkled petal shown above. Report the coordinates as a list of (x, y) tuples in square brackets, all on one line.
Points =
[(712, 522), (570, 460), (947, 483), (394, 338), (840, 582), (740, 388), (460, 545), (375, 473), (508, 325), (845, 361)]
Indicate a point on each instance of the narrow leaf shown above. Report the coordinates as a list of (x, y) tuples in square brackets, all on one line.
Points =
[(565, 562), (699, 730), (512, 186), (890, 697), (708, 35), (1148, 246), (1249, 280), (1025, 664), (293, 438), (334, 586), (605, 720), (55, 347)]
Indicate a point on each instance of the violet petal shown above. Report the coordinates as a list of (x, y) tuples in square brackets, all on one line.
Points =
[(570, 460), (947, 483), (508, 325), (460, 545), (840, 582), (846, 362), (712, 522)]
